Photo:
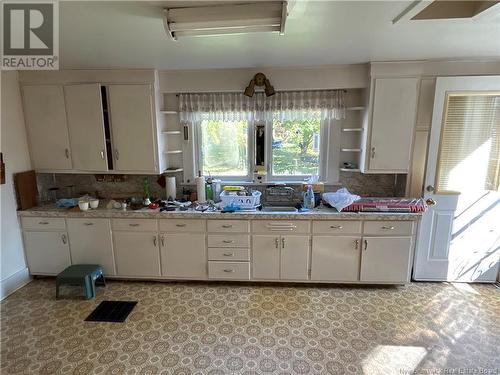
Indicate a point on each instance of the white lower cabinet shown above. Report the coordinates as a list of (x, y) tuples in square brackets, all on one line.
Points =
[(90, 243), (47, 253), (183, 255), (137, 254), (335, 258), (280, 257), (294, 257), (386, 259)]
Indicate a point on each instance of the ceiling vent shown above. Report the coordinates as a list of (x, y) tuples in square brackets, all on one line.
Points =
[(269, 16)]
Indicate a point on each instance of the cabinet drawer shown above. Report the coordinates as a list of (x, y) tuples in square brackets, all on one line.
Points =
[(228, 226), (228, 240), (229, 270), (389, 228), (182, 225), (337, 227), (138, 225), (221, 253), (43, 223), (280, 226)]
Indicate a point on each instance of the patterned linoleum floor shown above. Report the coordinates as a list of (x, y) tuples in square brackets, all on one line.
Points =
[(195, 328)]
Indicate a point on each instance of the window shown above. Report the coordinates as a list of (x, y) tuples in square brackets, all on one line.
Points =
[(224, 148), (295, 147)]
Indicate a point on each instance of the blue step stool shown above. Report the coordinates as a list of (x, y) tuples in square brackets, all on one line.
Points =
[(84, 275)]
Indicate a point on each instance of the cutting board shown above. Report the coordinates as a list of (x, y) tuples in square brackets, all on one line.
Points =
[(26, 190)]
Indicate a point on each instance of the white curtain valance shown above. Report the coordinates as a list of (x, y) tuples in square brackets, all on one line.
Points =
[(283, 105)]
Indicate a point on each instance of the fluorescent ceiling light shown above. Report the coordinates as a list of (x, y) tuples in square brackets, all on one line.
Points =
[(226, 19)]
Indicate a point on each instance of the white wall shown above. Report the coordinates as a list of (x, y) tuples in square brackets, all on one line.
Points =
[(13, 270)]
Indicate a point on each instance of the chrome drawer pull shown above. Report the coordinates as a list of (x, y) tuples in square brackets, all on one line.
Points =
[(388, 227), (227, 226), (88, 224), (228, 270), (43, 222), (134, 225), (336, 226), (228, 254), (228, 241), (366, 245), (180, 225)]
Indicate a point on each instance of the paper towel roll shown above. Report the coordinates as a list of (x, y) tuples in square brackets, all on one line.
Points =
[(170, 187), (200, 189)]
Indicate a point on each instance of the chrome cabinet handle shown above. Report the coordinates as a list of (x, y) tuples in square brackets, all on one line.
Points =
[(162, 239), (117, 154), (134, 224), (102, 155), (277, 242), (227, 226), (155, 241), (385, 227), (373, 152), (66, 153), (64, 239), (282, 242), (336, 226), (180, 225), (227, 241), (228, 270), (356, 245), (228, 254), (43, 222), (88, 224), (366, 245)]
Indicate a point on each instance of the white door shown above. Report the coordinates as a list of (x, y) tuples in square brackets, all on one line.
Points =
[(183, 255), (47, 253), (86, 127), (294, 258), (393, 119), (132, 126), (47, 129), (137, 254), (459, 234), (90, 243), (386, 259), (335, 258), (265, 257)]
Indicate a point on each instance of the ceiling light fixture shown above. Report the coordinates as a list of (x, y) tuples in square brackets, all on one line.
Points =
[(226, 19)]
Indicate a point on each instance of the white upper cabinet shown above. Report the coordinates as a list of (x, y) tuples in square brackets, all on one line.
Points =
[(390, 127), (45, 117), (86, 127), (133, 129)]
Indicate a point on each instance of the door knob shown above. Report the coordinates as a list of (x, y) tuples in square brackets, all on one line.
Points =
[(430, 202), (429, 188)]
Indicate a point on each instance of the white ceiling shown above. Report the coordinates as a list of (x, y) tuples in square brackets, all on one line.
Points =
[(130, 34)]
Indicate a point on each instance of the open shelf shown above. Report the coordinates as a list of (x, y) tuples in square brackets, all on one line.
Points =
[(350, 150), (352, 129), (169, 112), (358, 108), (171, 132), (176, 170), (350, 170), (173, 152)]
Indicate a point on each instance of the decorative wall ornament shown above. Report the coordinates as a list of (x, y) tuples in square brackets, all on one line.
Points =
[(259, 80)]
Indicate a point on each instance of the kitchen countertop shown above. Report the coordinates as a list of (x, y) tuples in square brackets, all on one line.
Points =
[(320, 213)]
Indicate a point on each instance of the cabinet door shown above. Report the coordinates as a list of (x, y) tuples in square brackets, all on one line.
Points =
[(46, 252), (184, 255), (131, 113), (335, 258), (294, 258), (90, 243), (386, 259), (266, 257), (393, 118), (86, 127), (136, 254), (47, 129)]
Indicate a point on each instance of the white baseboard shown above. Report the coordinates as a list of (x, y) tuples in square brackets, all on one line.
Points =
[(14, 282)]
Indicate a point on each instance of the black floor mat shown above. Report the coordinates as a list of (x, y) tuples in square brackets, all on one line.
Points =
[(111, 311)]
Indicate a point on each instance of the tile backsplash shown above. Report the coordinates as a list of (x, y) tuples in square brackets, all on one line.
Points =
[(123, 186)]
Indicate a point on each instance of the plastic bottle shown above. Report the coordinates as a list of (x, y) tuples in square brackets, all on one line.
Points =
[(309, 198)]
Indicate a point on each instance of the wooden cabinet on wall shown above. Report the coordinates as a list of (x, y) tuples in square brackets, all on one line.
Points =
[(389, 125), (45, 116)]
